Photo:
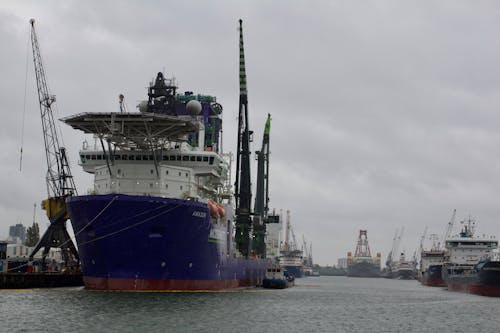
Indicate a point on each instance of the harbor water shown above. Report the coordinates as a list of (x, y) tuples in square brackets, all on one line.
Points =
[(315, 304)]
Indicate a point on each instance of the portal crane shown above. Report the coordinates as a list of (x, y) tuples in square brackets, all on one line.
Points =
[(60, 184)]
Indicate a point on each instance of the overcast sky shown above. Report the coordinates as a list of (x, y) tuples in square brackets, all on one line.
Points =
[(386, 114)]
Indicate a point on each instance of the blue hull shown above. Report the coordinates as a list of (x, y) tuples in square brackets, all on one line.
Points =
[(151, 243), (296, 271)]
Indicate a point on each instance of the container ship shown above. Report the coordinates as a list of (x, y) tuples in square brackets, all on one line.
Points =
[(470, 264), (362, 264), (161, 214), (291, 257)]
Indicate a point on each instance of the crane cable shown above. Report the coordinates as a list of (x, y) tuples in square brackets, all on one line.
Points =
[(24, 105)]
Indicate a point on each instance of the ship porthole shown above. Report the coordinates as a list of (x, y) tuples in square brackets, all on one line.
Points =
[(163, 264)]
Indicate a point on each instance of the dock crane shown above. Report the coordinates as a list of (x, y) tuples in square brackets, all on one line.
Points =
[(60, 184)]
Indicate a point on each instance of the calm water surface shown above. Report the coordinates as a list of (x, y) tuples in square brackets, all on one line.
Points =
[(324, 304)]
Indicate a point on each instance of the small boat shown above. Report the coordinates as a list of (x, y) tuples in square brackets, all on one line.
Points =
[(278, 278)]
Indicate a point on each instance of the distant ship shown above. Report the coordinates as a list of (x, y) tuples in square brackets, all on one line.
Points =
[(403, 269), (291, 258), (431, 263), (363, 264), (400, 267), (471, 264)]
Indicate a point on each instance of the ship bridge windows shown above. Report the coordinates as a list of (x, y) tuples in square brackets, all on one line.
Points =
[(124, 157), (118, 157), (185, 158), (179, 157), (131, 157), (82, 158), (198, 158), (99, 157), (211, 160), (193, 158), (205, 158), (94, 157), (172, 158)]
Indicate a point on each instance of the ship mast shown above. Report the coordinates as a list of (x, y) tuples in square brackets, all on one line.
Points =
[(60, 184), (243, 191)]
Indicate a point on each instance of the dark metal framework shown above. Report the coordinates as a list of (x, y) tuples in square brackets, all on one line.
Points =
[(59, 180)]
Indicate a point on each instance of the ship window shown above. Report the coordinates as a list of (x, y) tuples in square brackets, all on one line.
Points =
[(187, 174), (87, 157), (124, 157), (118, 171), (150, 185), (179, 174), (198, 158), (205, 158), (82, 158), (166, 172), (99, 157), (151, 158), (181, 187), (138, 158), (172, 158), (165, 158), (211, 160), (118, 157), (193, 158), (131, 157), (166, 185), (144, 157), (185, 158), (179, 157), (93, 157)]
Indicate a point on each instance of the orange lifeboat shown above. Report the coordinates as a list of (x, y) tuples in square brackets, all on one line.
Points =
[(221, 210), (212, 207)]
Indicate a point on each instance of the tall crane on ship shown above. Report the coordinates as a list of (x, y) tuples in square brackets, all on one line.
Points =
[(243, 190), (261, 206), (60, 184)]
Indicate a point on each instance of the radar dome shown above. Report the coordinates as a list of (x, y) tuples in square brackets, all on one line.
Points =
[(143, 106), (193, 107)]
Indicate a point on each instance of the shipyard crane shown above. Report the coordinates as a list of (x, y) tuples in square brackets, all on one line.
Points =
[(60, 184), (449, 227)]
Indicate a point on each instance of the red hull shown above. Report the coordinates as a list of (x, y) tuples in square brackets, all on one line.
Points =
[(113, 284), (483, 290), (433, 282)]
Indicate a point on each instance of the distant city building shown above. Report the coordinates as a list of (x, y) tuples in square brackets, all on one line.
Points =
[(17, 233), (342, 263)]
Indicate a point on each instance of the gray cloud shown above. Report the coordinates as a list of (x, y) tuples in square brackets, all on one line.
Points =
[(384, 112)]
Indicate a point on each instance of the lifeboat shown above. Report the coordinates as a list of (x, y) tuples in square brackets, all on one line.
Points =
[(221, 210), (212, 207)]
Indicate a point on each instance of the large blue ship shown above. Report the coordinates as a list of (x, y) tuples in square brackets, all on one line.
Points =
[(160, 215)]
